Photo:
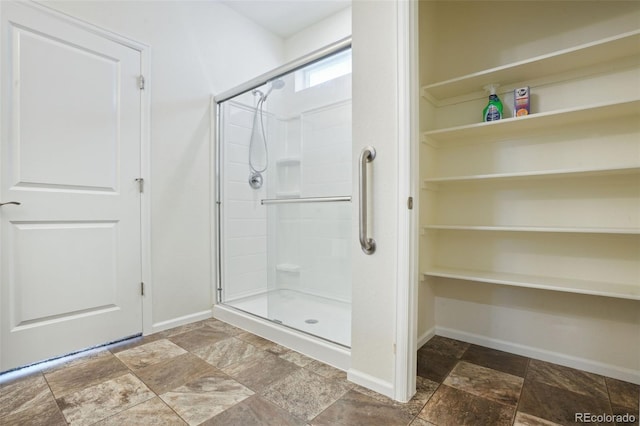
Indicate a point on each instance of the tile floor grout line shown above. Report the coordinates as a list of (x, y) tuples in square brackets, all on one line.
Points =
[(429, 399), (157, 396), (53, 396), (275, 405), (606, 386), (173, 410), (139, 378), (310, 422), (524, 379)]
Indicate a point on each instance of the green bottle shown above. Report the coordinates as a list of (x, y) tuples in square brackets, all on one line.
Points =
[(493, 110)]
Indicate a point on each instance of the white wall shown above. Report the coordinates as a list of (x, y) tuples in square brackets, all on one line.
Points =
[(322, 33), (197, 49), (375, 122)]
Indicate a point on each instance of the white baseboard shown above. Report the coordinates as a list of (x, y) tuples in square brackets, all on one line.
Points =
[(425, 337), (175, 322), (621, 373), (370, 382)]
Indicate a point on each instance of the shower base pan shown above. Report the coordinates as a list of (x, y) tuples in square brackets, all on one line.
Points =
[(315, 326)]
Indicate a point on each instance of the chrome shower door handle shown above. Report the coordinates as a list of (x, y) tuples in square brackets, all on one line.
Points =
[(366, 156), (10, 202)]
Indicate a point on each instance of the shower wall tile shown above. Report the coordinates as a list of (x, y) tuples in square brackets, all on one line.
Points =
[(326, 229), (240, 115), (236, 173), (326, 149), (245, 284), (293, 137), (237, 142), (241, 191), (237, 150), (247, 263), (242, 209), (246, 245), (245, 219), (245, 228)]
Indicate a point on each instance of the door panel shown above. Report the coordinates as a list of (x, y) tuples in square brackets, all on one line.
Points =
[(72, 99), (51, 246), (70, 253)]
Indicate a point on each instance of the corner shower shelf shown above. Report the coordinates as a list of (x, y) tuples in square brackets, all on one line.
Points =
[(552, 174), (546, 229), (288, 267), (597, 288), (598, 52), (508, 127)]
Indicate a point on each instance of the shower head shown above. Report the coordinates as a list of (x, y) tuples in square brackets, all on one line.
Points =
[(275, 84)]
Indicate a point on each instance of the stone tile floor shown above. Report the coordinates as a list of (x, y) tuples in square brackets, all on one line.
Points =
[(482, 386), (210, 373)]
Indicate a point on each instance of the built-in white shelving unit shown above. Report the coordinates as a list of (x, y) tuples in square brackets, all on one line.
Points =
[(597, 288), (512, 126), (541, 174), (547, 229), (492, 188), (601, 51)]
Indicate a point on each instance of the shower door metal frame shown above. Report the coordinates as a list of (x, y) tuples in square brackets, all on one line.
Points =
[(276, 73), (217, 152)]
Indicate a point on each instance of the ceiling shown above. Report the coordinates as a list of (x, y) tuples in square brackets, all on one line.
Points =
[(286, 17)]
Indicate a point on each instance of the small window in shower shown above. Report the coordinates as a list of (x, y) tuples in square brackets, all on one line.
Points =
[(324, 70)]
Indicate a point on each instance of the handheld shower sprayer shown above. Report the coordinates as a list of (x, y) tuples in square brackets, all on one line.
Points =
[(275, 84), (255, 176)]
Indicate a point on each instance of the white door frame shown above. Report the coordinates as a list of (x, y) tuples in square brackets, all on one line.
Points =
[(145, 145), (408, 138)]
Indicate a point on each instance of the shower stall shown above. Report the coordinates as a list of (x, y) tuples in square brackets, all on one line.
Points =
[(283, 203)]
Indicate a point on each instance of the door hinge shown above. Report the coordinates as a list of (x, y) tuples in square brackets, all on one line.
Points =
[(140, 184), (142, 289), (141, 82), (410, 203)]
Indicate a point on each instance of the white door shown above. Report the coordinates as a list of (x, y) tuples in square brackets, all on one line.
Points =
[(70, 153)]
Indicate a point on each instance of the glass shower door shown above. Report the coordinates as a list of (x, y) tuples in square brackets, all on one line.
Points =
[(285, 171)]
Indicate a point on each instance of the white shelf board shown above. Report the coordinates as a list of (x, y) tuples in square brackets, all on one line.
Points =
[(515, 125), (597, 288), (600, 51), (288, 161), (288, 267), (548, 174), (548, 229)]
